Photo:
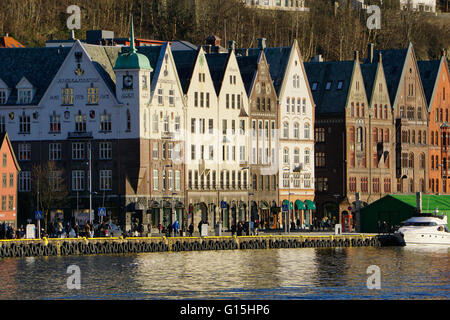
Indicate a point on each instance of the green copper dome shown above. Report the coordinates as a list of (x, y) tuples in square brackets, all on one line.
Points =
[(130, 59)]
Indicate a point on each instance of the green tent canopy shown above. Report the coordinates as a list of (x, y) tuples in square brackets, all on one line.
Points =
[(290, 204), (310, 205), (300, 205)]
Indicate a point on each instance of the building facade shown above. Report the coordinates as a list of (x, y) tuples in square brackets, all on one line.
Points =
[(434, 75), (9, 171)]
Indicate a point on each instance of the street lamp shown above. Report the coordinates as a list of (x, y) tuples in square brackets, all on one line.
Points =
[(173, 203), (287, 219), (247, 216)]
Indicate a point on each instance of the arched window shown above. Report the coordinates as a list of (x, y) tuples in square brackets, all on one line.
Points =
[(419, 136), (413, 140), (422, 160), (424, 137), (296, 130), (286, 130), (432, 137), (307, 130), (286, 156), (411, 185), (432, 162), (411, 160), (385, 111), (353, 110), (376, 111)]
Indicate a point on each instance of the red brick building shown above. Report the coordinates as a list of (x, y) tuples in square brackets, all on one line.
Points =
[(9, 170)]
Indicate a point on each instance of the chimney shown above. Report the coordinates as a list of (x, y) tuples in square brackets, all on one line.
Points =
[(261, 43), (370, 52), (356, 55), (419, 202), (317, 58), (231, 45), (207, 48)]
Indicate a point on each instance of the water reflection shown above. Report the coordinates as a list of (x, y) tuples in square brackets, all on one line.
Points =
[(307, 273)]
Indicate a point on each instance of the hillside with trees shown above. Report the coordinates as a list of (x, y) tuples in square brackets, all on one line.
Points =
[(333, 32)]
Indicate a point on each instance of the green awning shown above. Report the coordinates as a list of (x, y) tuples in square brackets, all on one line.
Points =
[(300, 205), (285, 202), (310, 205)]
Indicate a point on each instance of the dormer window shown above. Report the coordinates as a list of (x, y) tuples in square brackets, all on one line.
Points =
[(314, 86), (25, 96), (328, 85), (339, 85), (3, 96)]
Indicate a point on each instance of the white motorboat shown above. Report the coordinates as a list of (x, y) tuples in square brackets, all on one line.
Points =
[(424, 229)]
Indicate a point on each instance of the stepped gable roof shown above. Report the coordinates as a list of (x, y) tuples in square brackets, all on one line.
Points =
[(248, 66), (185, 63), (428, 74), (278, 59), (393, 62), (333, 100), (369, 72), (38, 65), (217, 63)]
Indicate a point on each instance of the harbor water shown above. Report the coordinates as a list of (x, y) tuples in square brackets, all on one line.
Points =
[(305, 273)]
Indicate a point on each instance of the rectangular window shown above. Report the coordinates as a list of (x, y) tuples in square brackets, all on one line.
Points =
[(227, 101), (77, 180), (105, 179), (160, 97), (193, 121), (307, 180), (11, 180), (2, 96), (80, 123), (207, 100), (155, 180), (155, 151), (171, 97), (170, 182), (193, 152), (93, 94), (105, 149), (78, 151), (4, 180), (155, 124), (387, 185), (24, 124), (105, 122), (10, 202), (2, 124), (242, 127), (24, 151), (177, 180), (55, 123), (54, 151), (4, 203), (202, 99), (5, 159), (67, 96), (211, 126), (24, 181), (352, 184)]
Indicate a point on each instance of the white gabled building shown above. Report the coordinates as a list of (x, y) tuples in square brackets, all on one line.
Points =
[(296, 131), (232, 135)]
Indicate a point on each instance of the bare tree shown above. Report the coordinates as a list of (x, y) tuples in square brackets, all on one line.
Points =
[(49, 188)]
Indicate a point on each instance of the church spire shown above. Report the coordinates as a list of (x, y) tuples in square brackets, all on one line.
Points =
[(132, 47)]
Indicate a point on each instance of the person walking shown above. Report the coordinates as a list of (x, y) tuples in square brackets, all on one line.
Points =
[(87, 229), (176, 227), (191, 230), (160, 227)]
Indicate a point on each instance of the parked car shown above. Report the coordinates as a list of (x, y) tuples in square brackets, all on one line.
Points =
[(109, 229)]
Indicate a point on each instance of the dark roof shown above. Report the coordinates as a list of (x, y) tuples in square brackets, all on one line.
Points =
[(428, 74), (277, 58), (393, 62), (217, 63), (369, 72), (333, 100), (185, 63), (248, 66), (37, 65), (179, 45)]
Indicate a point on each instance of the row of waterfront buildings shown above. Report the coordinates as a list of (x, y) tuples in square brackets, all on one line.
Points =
[(203, 134)]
